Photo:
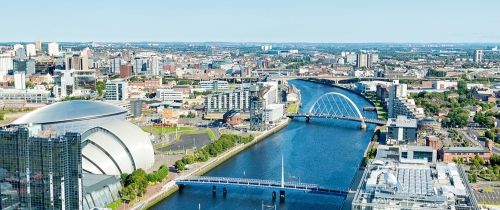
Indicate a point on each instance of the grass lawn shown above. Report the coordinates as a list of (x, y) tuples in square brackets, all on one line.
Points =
[(115, 205), (292, 108), (208, 131), (158, 130)]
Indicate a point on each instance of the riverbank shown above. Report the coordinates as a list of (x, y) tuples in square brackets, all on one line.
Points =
[(170, 187)]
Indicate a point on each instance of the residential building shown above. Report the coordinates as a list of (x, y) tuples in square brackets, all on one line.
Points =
[(273, 113), (6, 64), (228, 100), (399, 103), (53, 49), (141, 65), (214, 85), (77, 62), (155, 66), (114, 66), (361, 60), (38, 46), (30, 50), (169, 95), (401, 129), (116, 90), (478, 56), (42, 173)]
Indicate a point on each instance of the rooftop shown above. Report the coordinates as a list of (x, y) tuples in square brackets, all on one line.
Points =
[(402, 122), (68, 111)]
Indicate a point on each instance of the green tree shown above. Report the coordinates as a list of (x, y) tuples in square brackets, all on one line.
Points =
[(490, 134), (179, 165), (100, 86)]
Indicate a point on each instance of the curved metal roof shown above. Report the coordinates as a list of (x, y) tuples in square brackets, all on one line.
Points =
[(116, 147), (69, 111)]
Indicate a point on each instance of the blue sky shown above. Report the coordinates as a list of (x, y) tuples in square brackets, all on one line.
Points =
[(248, 21)]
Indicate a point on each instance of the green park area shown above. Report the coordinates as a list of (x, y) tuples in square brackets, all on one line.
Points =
[(292, 108)]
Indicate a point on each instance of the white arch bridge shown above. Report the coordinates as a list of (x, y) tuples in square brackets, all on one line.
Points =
[(335, 105)]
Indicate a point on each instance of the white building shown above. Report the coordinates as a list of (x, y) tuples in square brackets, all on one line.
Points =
[(116, 90), (53, 49), (115, 63), (214, 85), (223, 102), (270, 95), (5, 65), (169, 95), (30, 50), (20, 80), (399, 103), (273, 113), (155, 66)]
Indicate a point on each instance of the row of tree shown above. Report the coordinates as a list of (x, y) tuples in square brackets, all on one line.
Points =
[(225, 142), (135, 184)]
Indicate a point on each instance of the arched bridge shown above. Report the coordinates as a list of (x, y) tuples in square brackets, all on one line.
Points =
[(335, 105)]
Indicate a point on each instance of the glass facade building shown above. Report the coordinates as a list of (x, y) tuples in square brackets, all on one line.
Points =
[(38, 172)]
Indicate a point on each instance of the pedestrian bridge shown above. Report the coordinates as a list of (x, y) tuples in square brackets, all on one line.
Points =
[(259, 184), (335, 105)]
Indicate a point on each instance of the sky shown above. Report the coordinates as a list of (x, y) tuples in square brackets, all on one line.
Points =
[(318, 21)]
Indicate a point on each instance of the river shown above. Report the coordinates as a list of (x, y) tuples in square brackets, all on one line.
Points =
[(324, 152)]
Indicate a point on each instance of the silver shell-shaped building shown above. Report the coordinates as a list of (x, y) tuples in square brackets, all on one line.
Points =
[(116, 147)]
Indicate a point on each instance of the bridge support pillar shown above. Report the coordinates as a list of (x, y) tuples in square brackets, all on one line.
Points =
[(181, 187), (214, 191), (274, 195), (224, 191), (308, 119), (282, 196), (363, 125)]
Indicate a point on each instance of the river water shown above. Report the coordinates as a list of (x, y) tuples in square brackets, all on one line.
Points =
[(324, 152)]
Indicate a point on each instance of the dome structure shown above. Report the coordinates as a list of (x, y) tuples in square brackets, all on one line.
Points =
[(72, 116), (116, 147)]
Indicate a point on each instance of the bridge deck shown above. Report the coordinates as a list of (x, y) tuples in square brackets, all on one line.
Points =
[(259, 183), (357, 119)]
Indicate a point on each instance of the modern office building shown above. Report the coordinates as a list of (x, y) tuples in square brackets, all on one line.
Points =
[(415, 184), (100, 190), (214, 85), (20, 80), (141, 65), (53, 49), (478, 56), (398, 103), (116, 90), (237, 100), (407, 153), (28, 66), (40, 172), (169, 95), (401, 130)]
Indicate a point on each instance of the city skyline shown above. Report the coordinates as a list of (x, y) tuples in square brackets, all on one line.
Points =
[(384, 21)]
